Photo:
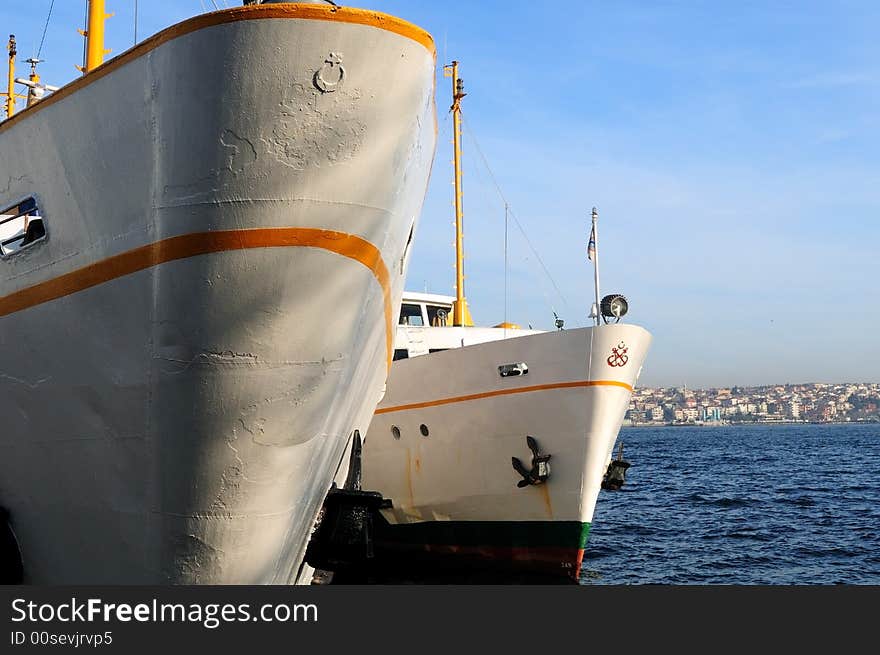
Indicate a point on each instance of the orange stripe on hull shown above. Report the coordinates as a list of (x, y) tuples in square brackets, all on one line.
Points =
[(507, 392), (202, 243)]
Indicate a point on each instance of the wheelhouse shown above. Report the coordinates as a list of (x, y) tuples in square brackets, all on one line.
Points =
[(426, 310)]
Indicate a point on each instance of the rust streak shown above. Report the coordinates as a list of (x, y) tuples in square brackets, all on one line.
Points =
[(548, 505), (409, 484)]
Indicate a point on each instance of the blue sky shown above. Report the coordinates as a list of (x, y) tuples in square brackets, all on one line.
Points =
[(733, 151)]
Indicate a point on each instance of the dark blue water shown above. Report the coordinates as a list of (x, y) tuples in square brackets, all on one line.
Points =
[(791, 504)]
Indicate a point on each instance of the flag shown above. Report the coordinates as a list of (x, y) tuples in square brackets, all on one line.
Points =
[(591, 247)]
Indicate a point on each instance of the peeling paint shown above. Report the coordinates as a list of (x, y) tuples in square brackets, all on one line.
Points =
[(195, 559), (257, 427), (306, 135), (12, 179), (230, 480), (229, 356), (245, 359), (242, 152)]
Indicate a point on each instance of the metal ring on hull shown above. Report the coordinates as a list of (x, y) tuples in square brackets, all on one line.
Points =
[(11, 566)]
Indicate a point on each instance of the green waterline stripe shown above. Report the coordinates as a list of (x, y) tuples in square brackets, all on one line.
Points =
[(516, 534)]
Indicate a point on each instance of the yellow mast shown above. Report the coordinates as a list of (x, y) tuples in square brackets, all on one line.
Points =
[(94, 34), (460, 313), (10, 90)]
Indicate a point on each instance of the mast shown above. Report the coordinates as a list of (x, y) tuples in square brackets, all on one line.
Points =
[(594, 239), (35, 90), (460, 313), (10, 89), (94, 34)]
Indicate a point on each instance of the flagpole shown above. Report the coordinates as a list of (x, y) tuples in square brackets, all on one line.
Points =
[(595, 239)]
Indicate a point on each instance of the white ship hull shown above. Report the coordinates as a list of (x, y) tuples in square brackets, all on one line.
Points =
[(455, 499), (185, 356)]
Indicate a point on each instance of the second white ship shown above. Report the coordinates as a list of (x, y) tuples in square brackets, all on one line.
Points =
[(490, 444), (461, 403)]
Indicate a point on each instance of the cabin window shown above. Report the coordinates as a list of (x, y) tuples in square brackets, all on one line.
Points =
[(411, 315), (436, 350), (400, 353), (20, 226), (438, 316)]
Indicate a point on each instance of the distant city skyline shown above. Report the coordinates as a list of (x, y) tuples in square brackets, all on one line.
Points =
[(816, 403), (733, 153)]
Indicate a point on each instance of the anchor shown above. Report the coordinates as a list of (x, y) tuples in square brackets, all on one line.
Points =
[(615, 474), (343, 538), (540, 470)]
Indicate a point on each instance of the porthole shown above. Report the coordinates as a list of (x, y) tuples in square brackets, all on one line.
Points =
[(423, 429), (395, 432)]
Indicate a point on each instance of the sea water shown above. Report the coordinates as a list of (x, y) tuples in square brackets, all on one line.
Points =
[(764, 504)]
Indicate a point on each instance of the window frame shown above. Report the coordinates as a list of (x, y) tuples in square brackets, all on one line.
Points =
[(421, 307), (437, 307), (38, 214)]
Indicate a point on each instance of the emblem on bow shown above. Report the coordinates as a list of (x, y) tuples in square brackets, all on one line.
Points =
[(332, 68), (618, 355)]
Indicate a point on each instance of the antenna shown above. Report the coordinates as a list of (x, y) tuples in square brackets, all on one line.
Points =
[(36, 88)]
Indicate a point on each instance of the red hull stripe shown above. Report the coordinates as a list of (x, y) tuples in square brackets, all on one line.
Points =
[(545, 561)]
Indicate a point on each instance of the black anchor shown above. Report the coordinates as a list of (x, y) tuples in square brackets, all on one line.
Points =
[(540, 466)]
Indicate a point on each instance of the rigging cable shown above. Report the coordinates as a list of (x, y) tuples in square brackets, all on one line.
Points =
[(489, 211), (507, 210), (135, 22), (45, 28)]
